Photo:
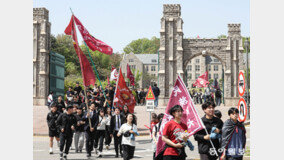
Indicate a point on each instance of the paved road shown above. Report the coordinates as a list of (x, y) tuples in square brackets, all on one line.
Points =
[(143, 150)]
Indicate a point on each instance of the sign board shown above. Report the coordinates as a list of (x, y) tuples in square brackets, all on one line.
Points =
[(150, 105), (242, 107), (241, 84), (150, 95)]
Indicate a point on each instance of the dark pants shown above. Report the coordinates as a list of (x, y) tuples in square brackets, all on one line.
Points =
[(99, 139), (208, 157), (89, 141), (173, 158), (107, 135), (128, 152), (65, 140), (117, 142)]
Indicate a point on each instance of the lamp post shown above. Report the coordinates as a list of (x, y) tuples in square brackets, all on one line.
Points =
[(246, 44)]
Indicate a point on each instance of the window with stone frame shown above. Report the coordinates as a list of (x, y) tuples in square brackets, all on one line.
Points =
[(153, 68), (131, 60), (209, 67), (189, 75), (189, 68), (209, 76), (154, 60), (197, 75), (216, 76), (216, 67), (132, 66), (197, 67), (197, 60), (147, 68)]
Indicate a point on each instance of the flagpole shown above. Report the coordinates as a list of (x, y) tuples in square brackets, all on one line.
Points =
[(79, 56), (203, 125), (96, 72), (117, 79)]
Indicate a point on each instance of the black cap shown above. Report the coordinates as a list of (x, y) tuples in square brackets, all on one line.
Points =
[(69, 106)]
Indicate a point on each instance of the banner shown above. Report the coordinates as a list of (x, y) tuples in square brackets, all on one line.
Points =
[(93, 43), (123, 95), (130, 76), (190, 117), (86, 69)]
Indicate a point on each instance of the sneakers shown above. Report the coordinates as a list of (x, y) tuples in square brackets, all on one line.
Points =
[(50, 151), (99, 154), (89, 155), (65, 156), (61, 155), (107, 147)]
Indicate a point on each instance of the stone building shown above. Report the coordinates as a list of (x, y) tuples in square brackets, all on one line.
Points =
[(176, 52), (144, 63), (41, 50)]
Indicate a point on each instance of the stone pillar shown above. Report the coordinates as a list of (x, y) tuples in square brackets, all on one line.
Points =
[(234, 48), (41, 55), (171, 51)]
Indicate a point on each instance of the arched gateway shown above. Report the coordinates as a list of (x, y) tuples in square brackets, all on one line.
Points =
[(175, 52)]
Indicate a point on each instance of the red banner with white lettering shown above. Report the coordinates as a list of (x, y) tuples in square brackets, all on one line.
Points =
[(130, 76), (190, 117), (92, 42)]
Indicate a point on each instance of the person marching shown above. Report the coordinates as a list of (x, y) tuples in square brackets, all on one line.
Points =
[(213, 126), (51, 123), (79, 134), (89, 130), (101, 128), (155, 133), (66, 122), (128, 131), (115, 124), (233, 137), (108, 129), (174, 136)]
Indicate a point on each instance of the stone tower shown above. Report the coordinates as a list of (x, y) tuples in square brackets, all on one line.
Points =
[(41, 49), (171, 51)]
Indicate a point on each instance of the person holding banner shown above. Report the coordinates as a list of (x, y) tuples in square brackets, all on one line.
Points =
[(174, 136), (214, 127)]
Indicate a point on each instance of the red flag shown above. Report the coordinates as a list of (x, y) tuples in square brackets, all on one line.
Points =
[(123, 95), (180, 96), (130, 76), (202, 80), (86, 69), (108, 81), (93, 43), (198, 37), (113, 74)]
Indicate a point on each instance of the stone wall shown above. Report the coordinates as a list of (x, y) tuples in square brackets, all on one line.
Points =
[(41, 49)]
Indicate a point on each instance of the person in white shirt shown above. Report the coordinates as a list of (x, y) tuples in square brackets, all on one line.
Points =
[(128, 131), (108, 129), (101, 128)]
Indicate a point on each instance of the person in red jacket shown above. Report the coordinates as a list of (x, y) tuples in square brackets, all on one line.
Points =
[(174, 136)]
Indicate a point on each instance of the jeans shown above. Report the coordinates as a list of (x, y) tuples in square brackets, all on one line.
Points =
[(218, 101), (79, 140), (99, 139), (156, 101)]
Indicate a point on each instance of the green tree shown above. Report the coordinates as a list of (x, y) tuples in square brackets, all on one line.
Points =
[(143, 46)]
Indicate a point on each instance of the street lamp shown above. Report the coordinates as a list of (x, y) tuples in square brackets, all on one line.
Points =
[(246, 44)]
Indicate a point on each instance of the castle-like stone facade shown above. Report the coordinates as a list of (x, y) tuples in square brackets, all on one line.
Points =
[(176, 52)]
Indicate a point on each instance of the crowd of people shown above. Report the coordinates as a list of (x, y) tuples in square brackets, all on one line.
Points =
[(93, 122), (210, 94)]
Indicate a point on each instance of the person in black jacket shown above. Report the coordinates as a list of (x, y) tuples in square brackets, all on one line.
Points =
[(60, 104), (66, 122), (79, 134), (156, 92), (90, 129), (115, 123), (51, 123), (213, 126), (77, 89)]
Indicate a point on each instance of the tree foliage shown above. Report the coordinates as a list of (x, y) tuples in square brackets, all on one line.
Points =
[(143, 46)]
